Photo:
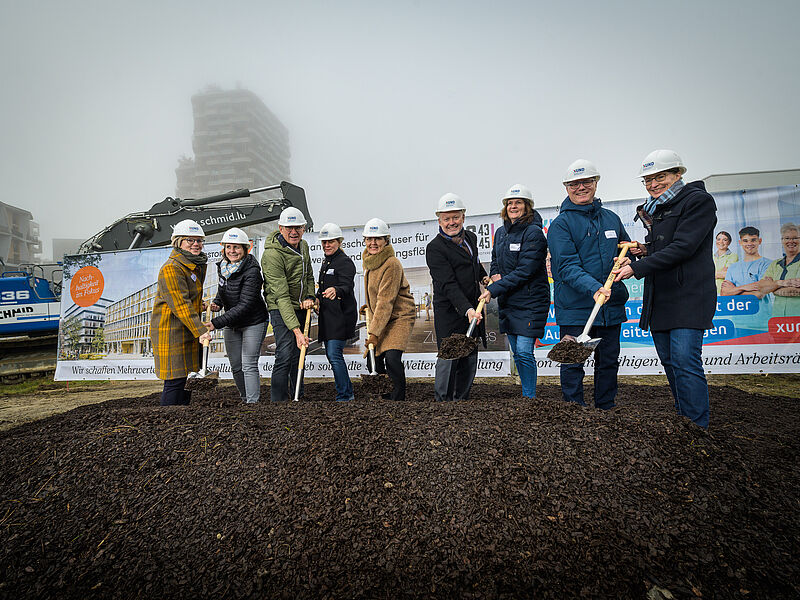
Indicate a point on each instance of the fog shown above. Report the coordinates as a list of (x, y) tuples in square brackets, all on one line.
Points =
[(390, 105)]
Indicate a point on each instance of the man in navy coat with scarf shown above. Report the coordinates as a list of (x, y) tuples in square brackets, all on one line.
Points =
[(456, 271)]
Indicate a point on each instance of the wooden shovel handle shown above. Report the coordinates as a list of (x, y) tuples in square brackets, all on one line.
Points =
[(607, 285)]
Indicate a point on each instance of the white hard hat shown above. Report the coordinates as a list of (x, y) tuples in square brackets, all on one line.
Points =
[(234, 235), (450, 202), (581, 169), (330, 231), (188, 228), (518, 191), (291, 217), (661, 160), (376, 228)]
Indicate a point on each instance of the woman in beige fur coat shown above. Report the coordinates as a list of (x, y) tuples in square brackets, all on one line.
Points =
[(390, 305)]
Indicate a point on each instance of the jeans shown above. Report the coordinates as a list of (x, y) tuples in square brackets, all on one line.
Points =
[(391, 362), (287, 357), (243, 347), (174, 394), (681, 353), (606, 365), (334, 352), (454, 377), (522, 348)]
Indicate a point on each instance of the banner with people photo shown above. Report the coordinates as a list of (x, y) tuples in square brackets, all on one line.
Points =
[(107, 299)]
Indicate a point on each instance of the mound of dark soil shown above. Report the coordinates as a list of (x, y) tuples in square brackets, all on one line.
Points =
[(498, 497)]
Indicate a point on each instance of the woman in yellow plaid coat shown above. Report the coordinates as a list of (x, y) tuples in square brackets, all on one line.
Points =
[(175, 324)]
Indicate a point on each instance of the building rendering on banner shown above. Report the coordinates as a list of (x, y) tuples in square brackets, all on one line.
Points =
[(238, 143), (127, 322), (82, 329), (19, 238)]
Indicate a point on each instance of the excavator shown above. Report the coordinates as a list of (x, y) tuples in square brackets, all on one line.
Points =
[(30, 304)]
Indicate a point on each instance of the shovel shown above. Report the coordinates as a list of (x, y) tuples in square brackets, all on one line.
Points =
[(204, 378), (576, 350), (459, 345), (374, 383), (302, 361)]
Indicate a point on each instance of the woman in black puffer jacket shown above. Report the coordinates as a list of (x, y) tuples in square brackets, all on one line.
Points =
[(245, 318)]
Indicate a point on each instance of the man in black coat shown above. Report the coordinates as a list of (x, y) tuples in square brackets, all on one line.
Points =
[(680, 295), (456, 271)]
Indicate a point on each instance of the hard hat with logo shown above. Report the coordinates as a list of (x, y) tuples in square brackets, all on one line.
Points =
[(376, 228), (188, 228), (581, 169), (518, 191), (450, 202), (330, 231), (291, 217), (234, 235), (661, 160)]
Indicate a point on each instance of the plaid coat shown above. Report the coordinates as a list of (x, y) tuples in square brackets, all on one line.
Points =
[(175, 323)]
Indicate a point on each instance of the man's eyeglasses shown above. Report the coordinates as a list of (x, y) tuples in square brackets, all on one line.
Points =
[(574, 185), (192, 241), (790, 239), (657, 178)]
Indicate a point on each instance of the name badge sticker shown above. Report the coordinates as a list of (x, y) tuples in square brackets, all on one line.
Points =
[(513, 247), (330, 271), (194, 277), (611, 234)]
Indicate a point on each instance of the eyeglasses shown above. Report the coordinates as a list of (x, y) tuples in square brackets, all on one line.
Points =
[(192, 241), (657, 178), (790, 239), (574, 185)]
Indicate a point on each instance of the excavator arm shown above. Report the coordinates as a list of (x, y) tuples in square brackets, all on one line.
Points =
[(154, 227)]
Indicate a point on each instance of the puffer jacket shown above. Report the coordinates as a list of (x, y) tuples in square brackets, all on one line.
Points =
[(678, 270), (337, 318), (240, 296), (523, 292), (288, 277), (583, 244)]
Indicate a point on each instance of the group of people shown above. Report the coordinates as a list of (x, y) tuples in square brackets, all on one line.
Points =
[(675, 260), (775, 282)]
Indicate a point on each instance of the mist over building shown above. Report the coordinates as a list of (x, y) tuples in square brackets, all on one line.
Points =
[(238, 143), (19, 237)]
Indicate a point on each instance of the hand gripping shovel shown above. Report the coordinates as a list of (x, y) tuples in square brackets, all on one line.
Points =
[(302, 361), (459, 345), (375, 383), (577, 350), (204, 378)]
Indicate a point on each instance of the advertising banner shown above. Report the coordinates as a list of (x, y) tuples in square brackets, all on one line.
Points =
[(107, 299)]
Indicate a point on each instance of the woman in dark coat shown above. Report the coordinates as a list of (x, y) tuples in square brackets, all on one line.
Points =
[(337, 306), (519, 281), (680, 296), (456, 272), (245, 318)]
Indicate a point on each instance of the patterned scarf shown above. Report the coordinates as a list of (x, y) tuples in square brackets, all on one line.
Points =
[(227, 268), (645, 212), (457, 239)]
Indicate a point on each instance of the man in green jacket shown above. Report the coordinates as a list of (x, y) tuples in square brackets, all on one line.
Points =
[(289, 292)]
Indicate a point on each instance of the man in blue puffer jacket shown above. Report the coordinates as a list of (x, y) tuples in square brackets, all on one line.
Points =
[(583, 242)]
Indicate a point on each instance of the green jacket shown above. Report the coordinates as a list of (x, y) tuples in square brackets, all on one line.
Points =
[(288, 278)]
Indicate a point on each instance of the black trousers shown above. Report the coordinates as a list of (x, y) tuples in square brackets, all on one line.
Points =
[(390, 363), (173, 392)]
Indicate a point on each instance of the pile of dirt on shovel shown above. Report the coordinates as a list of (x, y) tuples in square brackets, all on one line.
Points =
[(497, 497)]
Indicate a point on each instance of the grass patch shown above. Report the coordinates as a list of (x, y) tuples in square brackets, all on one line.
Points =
[(41, 384)]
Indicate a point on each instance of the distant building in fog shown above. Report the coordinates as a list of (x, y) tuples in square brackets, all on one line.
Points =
[(237, 143), (19, 237)]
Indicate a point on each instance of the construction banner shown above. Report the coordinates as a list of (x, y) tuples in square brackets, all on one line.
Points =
[(107, 300)]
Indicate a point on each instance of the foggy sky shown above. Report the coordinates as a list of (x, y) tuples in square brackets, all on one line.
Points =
[(390, 105)]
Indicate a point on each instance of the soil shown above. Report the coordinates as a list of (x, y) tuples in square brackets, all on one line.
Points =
[(497, 497), (457, 346), (569, 351), (373, 386), (202, 384)]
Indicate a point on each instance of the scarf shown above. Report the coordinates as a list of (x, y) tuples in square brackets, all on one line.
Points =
[(199, 259), (374, 261), (227, 268), (457, 239)]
